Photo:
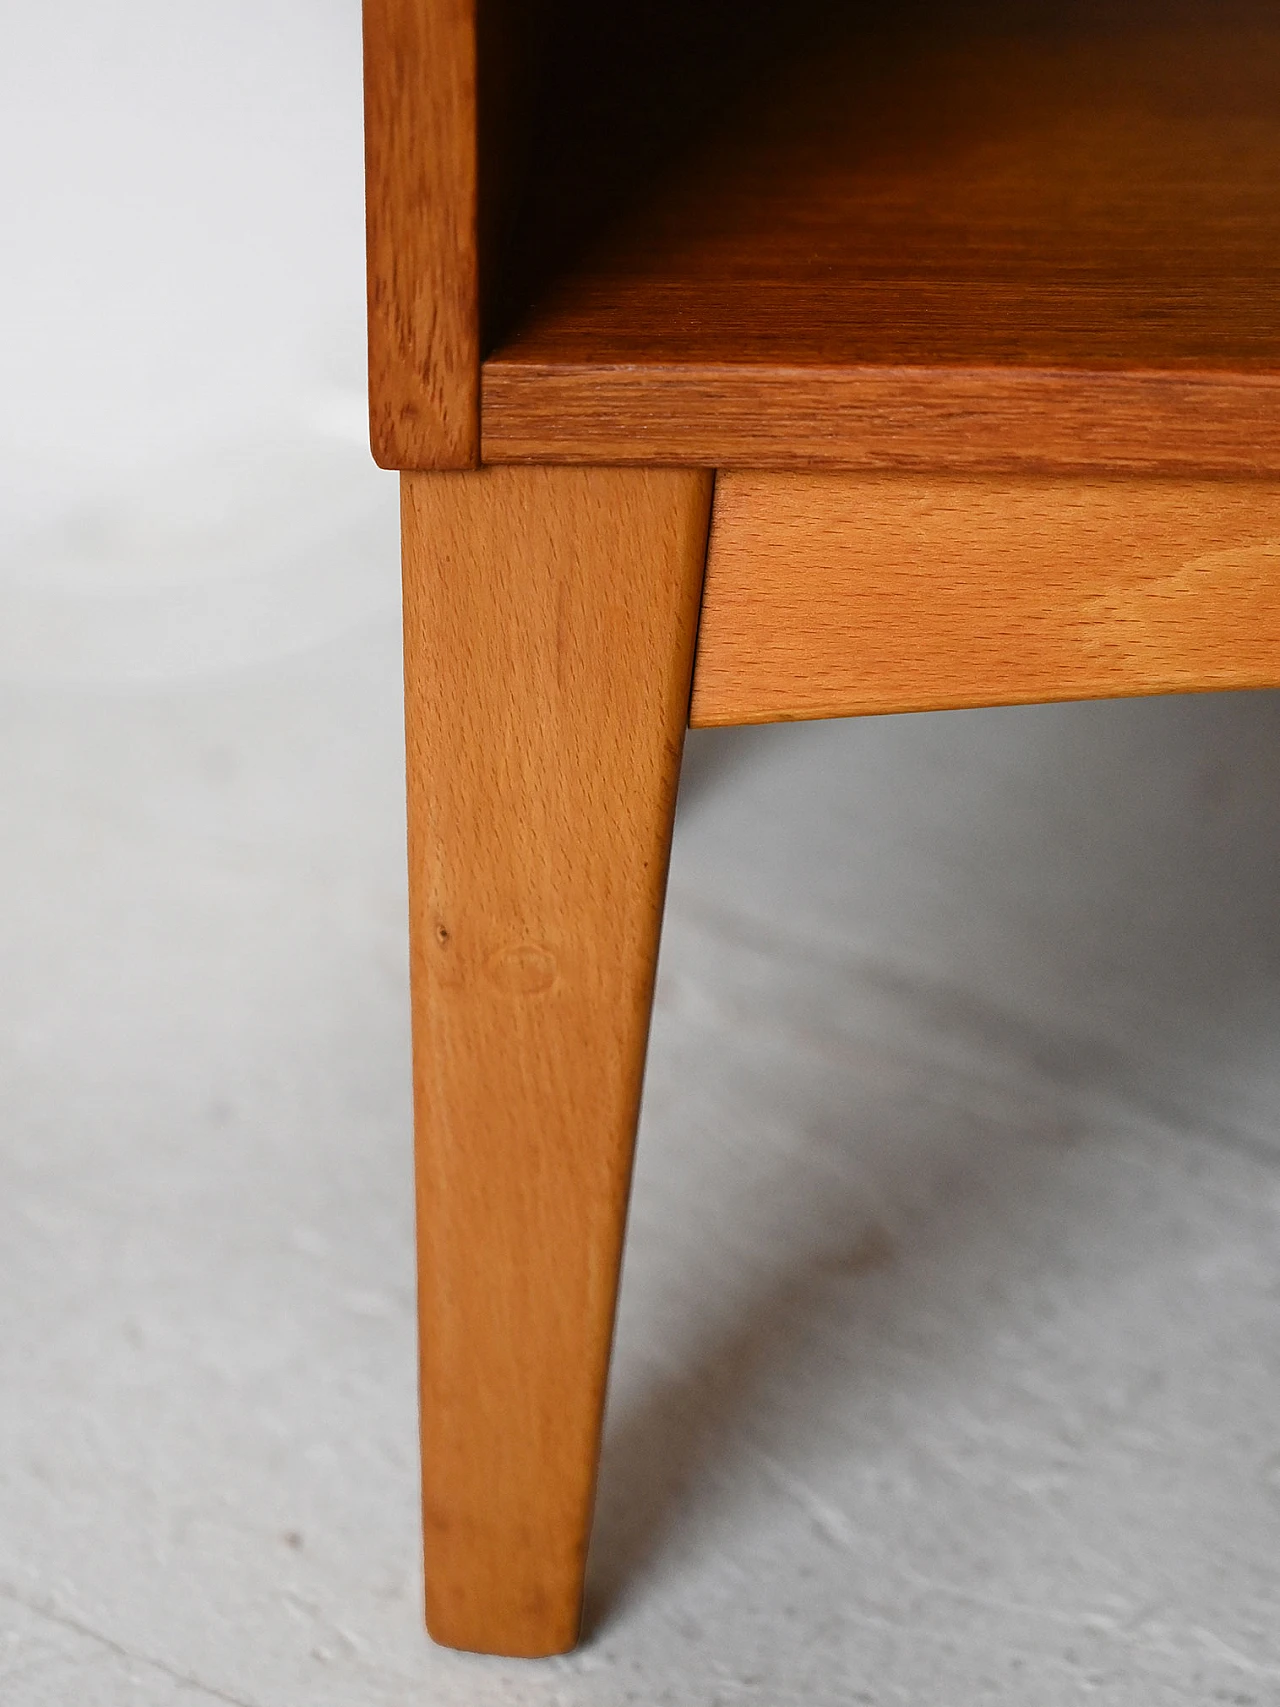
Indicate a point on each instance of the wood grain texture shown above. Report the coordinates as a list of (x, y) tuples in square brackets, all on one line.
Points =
[(834, 595), (549, 626), (421, 171), (987, 236), (884, 418), (617, 97)]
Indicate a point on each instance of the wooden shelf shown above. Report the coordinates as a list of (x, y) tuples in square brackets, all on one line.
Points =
[(1024, 238)]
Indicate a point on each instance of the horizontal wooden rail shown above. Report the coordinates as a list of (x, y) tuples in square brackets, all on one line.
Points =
[(832, 595), (883, 419)]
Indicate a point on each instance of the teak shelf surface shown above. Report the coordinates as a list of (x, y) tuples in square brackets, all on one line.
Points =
[(1014, 238)]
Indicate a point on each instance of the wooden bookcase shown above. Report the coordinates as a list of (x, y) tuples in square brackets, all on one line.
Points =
[(958, 325)]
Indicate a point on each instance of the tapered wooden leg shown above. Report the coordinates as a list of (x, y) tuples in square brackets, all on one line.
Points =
[(549, 625)]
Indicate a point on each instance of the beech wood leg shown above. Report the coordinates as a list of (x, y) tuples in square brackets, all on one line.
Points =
[(550, 616)]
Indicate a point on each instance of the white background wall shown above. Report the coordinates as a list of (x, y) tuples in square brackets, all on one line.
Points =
[(181, 353)]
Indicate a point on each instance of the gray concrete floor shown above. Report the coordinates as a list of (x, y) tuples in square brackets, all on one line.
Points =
[(948, 1367), (948, 1364)]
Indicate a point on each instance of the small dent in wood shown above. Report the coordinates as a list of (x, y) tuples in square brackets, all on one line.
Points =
[(523, 969)]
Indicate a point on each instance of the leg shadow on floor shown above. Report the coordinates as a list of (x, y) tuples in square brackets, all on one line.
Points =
[(870, 1161)]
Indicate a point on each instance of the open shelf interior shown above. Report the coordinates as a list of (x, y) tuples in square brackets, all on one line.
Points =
[(1023, 189)]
